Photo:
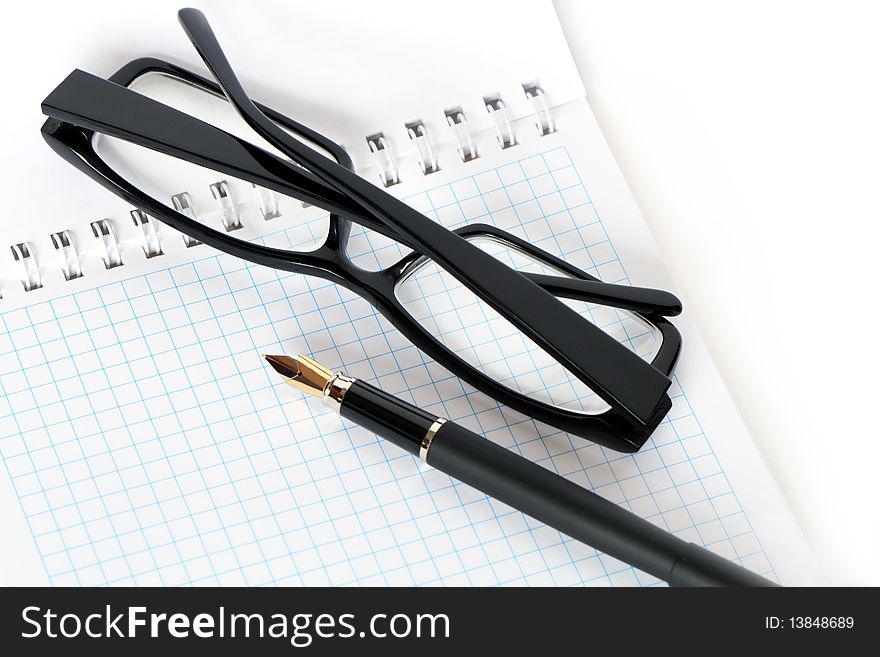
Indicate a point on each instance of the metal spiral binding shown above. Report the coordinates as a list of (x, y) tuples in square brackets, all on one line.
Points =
[(183, 204), (419, 134), (103, 231), (31, 272), (385, 157), (268, 203), (464, 141), (231, 220), (63, 242), (151, 246), (543, 120), (457, 121), (503, 130)]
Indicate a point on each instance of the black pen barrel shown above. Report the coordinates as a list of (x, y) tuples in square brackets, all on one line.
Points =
[(388, 416), (580, 513), (540, 493)]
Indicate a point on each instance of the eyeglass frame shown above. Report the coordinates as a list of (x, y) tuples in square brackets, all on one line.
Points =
[(329, 261)]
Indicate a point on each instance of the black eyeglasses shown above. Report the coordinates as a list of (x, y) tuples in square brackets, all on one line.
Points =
[(560, 362)]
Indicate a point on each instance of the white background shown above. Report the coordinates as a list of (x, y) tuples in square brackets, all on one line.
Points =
[(749, 133)]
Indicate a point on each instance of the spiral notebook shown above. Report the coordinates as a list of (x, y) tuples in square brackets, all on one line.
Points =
[(143, 439)]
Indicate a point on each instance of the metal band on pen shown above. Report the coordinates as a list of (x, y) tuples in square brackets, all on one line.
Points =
[(335, 389), (429, 437)]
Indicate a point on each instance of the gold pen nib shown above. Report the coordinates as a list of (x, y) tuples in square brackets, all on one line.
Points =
[(302, 373)]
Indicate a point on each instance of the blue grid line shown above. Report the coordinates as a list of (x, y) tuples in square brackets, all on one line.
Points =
[(198, 469), (378, 507), (418, 528), (278, 400), (547, 462), (116, 468), (381, 508), (20, 502), (159, 480), (482, 429), (293, 316), (76, 506), (154, 359), (415, 562), (262, 428), (423, 362)]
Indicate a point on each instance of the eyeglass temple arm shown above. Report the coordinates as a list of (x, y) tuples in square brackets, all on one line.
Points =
[(644, 300), (136, 68), (627, 383)]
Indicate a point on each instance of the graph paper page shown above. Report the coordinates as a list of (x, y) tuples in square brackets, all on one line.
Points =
[(145, 441)]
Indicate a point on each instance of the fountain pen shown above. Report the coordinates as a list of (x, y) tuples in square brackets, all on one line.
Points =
[(518, 482)]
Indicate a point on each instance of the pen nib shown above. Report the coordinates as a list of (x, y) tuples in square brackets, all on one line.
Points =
[(302, 373), (284, 365)]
